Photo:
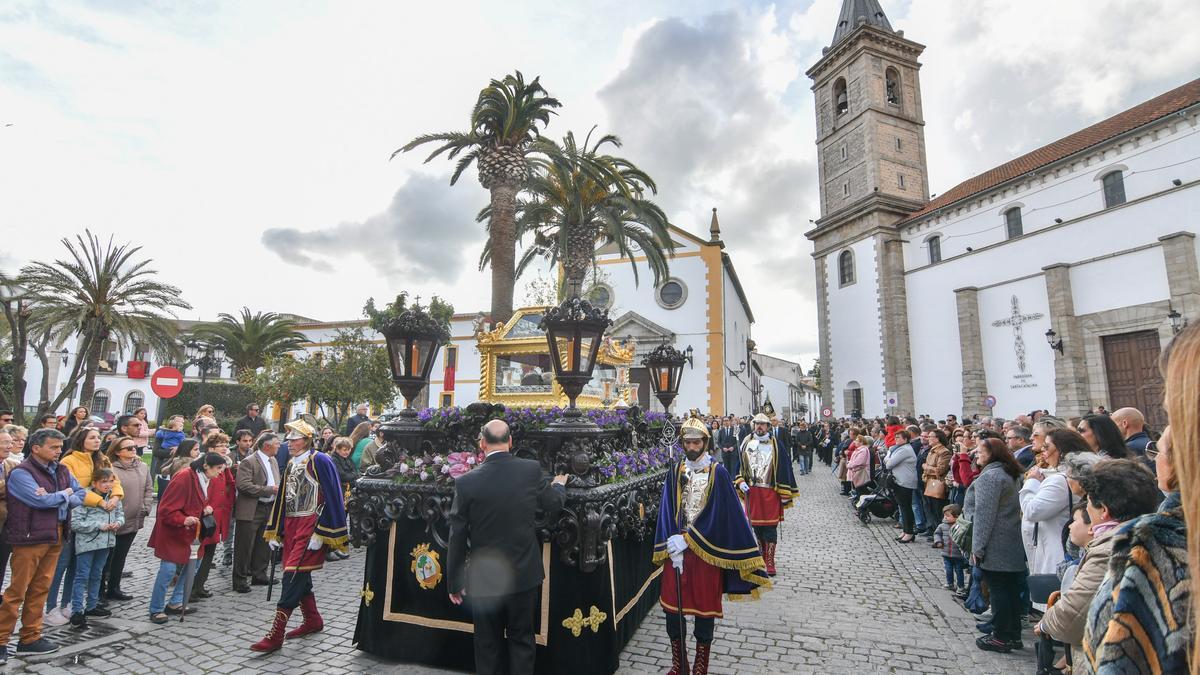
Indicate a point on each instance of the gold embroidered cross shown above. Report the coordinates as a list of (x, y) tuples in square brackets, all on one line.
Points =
[(577, 622), (367, 594)]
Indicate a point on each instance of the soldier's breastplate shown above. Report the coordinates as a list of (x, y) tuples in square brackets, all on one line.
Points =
[(301, 493), (694, 493), (760, 467)]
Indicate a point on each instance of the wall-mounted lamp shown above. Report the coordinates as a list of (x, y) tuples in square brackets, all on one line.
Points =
[(687, 353), (1178, 321), (1176, 182), (1058, 221), (741, 369), (1054, 344)]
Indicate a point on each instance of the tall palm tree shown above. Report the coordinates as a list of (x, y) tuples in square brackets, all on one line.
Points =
[(103, 293), (250, 339), (582, 198), (504, 124)]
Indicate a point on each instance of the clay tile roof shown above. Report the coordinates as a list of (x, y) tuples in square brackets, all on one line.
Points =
[(1139, 115)]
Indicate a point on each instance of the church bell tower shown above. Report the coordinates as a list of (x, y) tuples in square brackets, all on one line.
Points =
[(872, 171)]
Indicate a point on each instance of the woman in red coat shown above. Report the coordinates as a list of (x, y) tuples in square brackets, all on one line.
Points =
[(176, 527), (222, 494)]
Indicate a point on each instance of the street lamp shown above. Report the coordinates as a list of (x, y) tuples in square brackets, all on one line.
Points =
[(1054, 344), (410, 356), (573, 333), (1178, 321), (665, 364), (204, 355)]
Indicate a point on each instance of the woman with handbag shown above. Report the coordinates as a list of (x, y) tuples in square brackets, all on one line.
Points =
[(902, 462), (934, 471), (1047, 502), (992, 518), (178, 524), (222, 493)]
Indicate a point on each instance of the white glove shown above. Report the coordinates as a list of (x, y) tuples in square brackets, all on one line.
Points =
[(677, 561), (745, 487), (275, 544), (676, 544), (314, 544)]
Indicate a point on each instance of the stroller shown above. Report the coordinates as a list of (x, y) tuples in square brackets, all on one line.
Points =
[(880, 501)]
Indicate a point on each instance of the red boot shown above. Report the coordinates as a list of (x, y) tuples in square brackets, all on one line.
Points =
[(312, 619), (769, 558), (701, 665), (274, 638), (679, 664)]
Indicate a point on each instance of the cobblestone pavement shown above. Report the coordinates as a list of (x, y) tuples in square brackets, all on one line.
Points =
[(848, 599)]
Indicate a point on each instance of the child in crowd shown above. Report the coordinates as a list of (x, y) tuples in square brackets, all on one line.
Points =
[(95, 535), (347, 474), (952, 558), (170, 437)]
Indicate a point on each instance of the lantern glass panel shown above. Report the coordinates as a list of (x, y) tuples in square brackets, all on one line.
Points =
[(603, 382), (422, 354)]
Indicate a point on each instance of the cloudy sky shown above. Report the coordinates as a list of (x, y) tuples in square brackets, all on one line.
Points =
[(245, 144)]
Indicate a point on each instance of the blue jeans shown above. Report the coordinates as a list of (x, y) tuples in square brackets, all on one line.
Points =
[(158, 596), (919, 514), (89, 567), (954, 570), (805, 460), (64, 576)]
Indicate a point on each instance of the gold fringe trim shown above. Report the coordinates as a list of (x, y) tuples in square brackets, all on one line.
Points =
[(270, 535), (337, 543), (740, 565)]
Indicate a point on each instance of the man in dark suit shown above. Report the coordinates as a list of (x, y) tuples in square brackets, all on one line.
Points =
[(727, 441), (257, 486), (783, 438), (357, 419), (492, 523), (253, 421), (1019, 440)]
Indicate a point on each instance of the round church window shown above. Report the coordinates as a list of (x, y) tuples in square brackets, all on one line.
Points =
[(600, 295), (672, 294)]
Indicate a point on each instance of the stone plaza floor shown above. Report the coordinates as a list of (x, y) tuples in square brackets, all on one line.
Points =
[(848, 599)]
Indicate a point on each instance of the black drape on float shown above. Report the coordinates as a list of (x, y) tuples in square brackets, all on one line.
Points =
[(582, 624)]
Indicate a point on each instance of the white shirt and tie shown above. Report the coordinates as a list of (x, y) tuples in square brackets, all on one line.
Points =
[(266, 463)]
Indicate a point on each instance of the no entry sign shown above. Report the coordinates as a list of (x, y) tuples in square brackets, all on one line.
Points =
[(167, 382)]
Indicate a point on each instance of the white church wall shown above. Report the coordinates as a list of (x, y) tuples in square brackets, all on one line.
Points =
[(936, 359), (1070, 191), (1121, 281), (738, 399), (854, 331), (1018, 387)]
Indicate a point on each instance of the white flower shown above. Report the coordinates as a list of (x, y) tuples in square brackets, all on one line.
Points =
[(445, 468), (471, 461), (419, 462), (404, 467), (424, 475)]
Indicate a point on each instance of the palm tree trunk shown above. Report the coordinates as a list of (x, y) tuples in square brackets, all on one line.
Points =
[(503, 231), (91, 364)]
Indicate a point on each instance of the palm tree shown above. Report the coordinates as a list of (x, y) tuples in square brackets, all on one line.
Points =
[(582, 198), (504, 124), (250, 339), (102, 293)]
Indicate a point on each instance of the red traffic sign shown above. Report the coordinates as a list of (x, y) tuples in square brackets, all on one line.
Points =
[(989, 401), (826, 412), (167, 382)]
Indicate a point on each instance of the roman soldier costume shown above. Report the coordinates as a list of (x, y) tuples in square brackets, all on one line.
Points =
[(767, 486), (308, 518), (703, 535)]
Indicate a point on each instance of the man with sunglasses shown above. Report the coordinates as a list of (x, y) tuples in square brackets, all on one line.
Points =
[(252, 422)]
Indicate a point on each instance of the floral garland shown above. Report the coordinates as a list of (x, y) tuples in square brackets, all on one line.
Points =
[(444, 469)]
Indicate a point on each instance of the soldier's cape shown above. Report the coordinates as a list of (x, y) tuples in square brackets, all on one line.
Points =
[(331, 527), (721, 536)]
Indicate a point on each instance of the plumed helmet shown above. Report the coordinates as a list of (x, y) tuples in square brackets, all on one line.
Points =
[(299, 429)]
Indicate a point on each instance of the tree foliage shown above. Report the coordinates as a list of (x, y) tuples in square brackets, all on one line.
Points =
[(250, 339), (350, 371)]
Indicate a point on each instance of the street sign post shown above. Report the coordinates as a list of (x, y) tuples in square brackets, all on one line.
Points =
[(827, 412), (990, 402), (166, 382)]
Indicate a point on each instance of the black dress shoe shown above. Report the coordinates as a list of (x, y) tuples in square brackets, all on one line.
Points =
[(119, 595), (176, 611), (241, 589), (201, 593), (260, 582)]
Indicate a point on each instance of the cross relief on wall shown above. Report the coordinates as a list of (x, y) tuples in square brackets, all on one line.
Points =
[(1017, 320)]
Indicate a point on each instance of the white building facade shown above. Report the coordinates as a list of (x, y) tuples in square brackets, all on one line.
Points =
[(945, 304)]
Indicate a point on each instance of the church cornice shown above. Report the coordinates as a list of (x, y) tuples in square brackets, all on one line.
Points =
[(873, 202), (873, 37)]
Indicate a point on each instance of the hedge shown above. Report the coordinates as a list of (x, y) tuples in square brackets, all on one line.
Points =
[(230, 401)]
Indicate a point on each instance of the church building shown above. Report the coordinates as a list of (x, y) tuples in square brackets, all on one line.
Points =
[(1052, 281)]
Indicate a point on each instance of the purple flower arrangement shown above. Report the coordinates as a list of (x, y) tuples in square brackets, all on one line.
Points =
[(444, 469)]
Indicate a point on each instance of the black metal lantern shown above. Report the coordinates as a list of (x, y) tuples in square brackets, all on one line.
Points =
[(410, 356), (573, 332), (665, 364)]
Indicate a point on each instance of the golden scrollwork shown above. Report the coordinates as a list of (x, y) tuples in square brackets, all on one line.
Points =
[(577, 622), (367, 594), (426, 567)]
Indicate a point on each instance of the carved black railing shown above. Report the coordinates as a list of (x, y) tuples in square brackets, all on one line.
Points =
[(595, 512)]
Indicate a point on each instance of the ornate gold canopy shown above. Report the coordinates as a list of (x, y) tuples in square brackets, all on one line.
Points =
[(515, 366)]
